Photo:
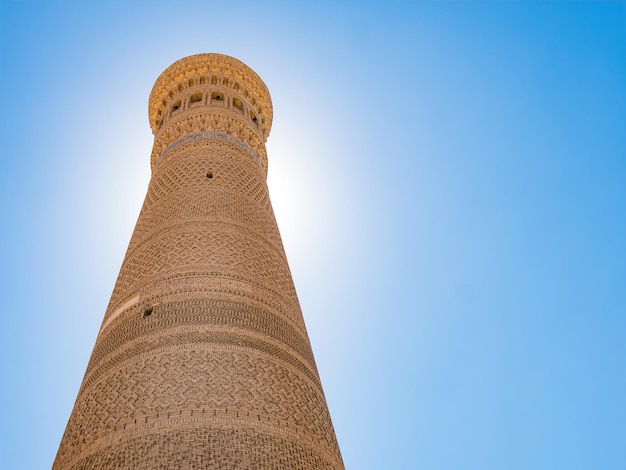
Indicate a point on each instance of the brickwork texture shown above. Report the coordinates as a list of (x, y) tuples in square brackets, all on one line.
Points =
[(203, 359)]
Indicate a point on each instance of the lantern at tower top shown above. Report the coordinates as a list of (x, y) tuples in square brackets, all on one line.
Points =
[(206, 79)]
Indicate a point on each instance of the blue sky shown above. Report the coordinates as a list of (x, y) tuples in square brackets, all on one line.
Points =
[(449, 178)]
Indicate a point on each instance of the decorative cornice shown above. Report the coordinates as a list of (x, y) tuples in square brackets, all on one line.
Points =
[(210, 126), (205, 67)]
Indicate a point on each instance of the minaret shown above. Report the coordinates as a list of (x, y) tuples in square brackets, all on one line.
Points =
[(203, 359)]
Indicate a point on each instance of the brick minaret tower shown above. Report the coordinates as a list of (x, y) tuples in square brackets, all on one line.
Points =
[(203, 359)]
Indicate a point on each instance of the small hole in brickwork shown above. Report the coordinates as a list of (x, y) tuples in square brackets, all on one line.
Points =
[(176, 106), (209, 175), (217, 96), (148, 311)]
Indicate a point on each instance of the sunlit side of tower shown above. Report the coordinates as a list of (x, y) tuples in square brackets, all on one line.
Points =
[(203, 359)]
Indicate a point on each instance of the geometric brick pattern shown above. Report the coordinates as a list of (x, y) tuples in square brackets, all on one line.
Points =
[(203, 359)]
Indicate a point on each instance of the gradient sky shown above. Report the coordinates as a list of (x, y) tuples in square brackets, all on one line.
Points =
[(449, 178)]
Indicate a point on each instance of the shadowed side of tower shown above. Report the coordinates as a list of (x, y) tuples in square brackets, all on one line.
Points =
[(203, 359)]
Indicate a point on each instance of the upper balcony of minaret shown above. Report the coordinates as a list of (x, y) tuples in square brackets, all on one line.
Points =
[(210, 94)]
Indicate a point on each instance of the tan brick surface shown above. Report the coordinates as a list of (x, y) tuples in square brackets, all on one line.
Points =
[(203, 359)]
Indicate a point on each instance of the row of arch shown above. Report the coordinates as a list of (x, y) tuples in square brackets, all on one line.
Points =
[(196, 81), (214, 98)]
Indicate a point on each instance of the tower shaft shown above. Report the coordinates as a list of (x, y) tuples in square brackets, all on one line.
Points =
[(203, 359)]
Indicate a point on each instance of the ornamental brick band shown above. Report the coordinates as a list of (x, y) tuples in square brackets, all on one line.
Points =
[(203, 359)]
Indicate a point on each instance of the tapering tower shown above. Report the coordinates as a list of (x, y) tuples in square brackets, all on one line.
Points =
[(203, 359)]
